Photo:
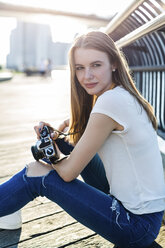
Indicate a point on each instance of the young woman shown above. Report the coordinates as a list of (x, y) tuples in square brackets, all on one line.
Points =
[(122, 198)]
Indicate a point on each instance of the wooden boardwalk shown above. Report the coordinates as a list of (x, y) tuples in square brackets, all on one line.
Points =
[(23, 103)]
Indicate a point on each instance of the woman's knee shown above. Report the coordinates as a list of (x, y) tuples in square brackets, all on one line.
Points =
[(35, 169)]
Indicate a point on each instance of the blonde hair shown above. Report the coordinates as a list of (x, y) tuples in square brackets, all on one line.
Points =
[(81, 102)]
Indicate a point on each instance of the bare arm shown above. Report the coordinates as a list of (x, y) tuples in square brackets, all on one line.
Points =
[(98, 129)]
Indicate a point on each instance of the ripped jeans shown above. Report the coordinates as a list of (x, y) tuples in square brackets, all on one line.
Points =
[(89, 203)]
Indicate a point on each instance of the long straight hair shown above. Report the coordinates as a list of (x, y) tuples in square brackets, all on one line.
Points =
[(81, 102)]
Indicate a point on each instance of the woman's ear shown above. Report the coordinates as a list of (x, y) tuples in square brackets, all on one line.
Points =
[(113, 67)]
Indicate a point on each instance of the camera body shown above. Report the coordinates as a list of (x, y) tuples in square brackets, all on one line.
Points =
[(45, 148)]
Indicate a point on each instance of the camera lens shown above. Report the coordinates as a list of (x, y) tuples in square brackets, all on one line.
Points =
[(49, 151), (36, 153)]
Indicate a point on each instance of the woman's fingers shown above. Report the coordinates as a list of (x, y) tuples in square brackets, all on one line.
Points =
[(64, 125), (36, 128), (42, 124), (39, 128), (54, 135)]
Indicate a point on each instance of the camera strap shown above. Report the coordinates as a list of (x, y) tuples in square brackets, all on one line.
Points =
[(60, 159), (64, 134)]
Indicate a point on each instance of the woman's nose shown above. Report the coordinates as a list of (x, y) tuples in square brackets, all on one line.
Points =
[(88, 73)]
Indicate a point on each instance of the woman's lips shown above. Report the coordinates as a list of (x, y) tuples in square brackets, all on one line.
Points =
[(90, 85)]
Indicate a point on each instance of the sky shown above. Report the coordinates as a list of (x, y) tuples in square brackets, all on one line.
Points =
[(102, 8)]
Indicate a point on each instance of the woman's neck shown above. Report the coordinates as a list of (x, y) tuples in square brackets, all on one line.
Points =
[(113, 85)]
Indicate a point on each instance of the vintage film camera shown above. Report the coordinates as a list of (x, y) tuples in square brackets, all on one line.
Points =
[(45, 148)]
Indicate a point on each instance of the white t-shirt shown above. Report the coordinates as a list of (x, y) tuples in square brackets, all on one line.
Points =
[(131, 157)]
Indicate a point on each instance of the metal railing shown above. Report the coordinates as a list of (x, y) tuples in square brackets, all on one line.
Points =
[(151, 84), (141, 36), (150, 26), (121, 16)]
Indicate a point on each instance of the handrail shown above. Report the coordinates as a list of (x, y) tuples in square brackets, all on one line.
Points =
[(147, 68), (122, 15), (20, 9), (148, 27)]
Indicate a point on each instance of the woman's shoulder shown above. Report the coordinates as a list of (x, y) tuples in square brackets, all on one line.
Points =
[(117, 99), (118, 94)]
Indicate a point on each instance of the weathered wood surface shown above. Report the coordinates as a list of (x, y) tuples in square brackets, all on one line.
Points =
[(23, 103), (46, 225)]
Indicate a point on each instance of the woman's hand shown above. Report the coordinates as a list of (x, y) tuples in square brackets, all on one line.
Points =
[(39, 128), (54, 135), (63, 127)]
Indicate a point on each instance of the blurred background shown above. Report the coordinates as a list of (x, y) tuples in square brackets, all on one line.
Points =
[(36, 34)]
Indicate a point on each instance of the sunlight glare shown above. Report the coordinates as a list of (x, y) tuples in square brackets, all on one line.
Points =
[(6, 26), (64, 29)]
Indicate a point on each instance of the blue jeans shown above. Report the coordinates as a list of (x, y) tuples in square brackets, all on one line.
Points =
[(89, 203)]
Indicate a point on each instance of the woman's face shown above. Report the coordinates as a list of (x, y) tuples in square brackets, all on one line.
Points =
[(93, 70)]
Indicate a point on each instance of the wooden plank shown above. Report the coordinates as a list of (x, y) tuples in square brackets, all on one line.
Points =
[(94, 241), (43, 223), (40, 211), (36, 228), (70, 236), (161, 237), (37, 201)]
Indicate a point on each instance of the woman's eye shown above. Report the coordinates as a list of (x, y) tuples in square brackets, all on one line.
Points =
[(96, 65), (78, 68)]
